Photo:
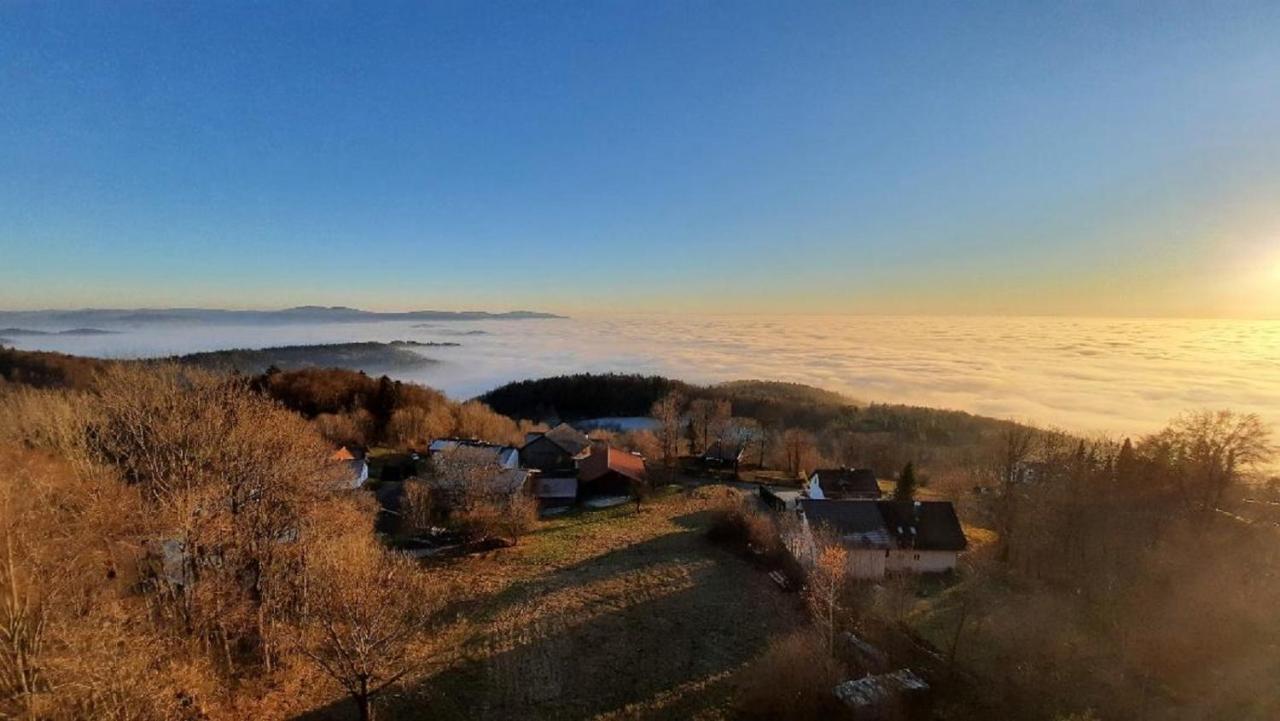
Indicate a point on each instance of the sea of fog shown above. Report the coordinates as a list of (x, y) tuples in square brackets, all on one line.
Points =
[(1115, 376)]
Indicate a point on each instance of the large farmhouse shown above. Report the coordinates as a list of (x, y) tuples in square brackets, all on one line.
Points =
[(885, 536)]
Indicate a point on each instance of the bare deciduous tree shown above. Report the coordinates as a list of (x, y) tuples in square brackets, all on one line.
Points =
[(668, 412), (417, 508), (474, 419), (708, 419), (1212, 451), (1013, 452), (366, 611), (826, 584), (417, 426), (799, 449)]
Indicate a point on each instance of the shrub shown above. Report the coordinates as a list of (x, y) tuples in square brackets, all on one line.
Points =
[(503, 518), (795, 678), (735, 520)]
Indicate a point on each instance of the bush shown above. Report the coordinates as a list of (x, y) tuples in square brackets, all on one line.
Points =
[(507, 519), (795, 678), (736, 521)]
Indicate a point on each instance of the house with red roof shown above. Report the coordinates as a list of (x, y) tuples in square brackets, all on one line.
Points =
[(609, 471)]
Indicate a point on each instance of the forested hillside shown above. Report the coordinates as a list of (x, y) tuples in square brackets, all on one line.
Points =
[(396, 355), (347, 407), (827, 427)]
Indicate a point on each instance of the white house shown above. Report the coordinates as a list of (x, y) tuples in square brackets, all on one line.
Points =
[(884, 537), (355, 467), (842, 484)]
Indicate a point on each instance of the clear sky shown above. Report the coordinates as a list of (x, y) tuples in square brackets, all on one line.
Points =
[(912, 157)]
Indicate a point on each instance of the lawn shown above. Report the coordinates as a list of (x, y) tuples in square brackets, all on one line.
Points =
[(607, 614)]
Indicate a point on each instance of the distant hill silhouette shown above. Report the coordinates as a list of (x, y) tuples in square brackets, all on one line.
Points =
[(300, 314)]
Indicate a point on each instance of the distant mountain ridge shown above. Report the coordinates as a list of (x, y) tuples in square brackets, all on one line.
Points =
[(71, 331), (370, 356), (298, 314)]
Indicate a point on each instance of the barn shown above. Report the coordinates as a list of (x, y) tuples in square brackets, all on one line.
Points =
[(554, 452), (608, 471)]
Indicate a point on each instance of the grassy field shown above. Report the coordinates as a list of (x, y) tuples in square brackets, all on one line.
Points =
[(607, 614)]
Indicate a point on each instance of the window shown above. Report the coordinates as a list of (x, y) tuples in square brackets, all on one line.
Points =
[(917, 557)]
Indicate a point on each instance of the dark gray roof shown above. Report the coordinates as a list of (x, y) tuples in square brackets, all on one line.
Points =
[(925, 526), (848, 482), (879, 690), (857, 522), (568, 438), (723, 452)]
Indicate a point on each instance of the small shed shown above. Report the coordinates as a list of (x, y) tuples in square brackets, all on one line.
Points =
[(555, 492), (780, 498), (884, 697)]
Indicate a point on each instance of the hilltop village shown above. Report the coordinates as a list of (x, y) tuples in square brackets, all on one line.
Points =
[(324, 544)]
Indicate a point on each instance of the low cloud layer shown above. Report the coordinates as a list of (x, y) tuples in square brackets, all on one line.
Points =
[(1117, 376)]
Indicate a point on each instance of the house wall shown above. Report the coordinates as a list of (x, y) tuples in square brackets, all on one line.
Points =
[(610, 484), (873, 563), (914, 561), (866, 562), (361, 473), (509, 459)]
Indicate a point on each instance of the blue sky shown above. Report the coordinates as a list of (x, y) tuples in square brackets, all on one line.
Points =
[(919, 157)]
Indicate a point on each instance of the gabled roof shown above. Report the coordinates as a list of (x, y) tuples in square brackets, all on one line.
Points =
[(870, 691), (507, 456), (606, 458), (723, 452), (565, 436), (847, 482), (923, 525), (857, 522)]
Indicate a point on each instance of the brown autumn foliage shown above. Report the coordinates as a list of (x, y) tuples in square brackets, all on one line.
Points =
[(485, 515), (156, 530), (824, 589), (352, 429), (1123, 571), (737, 519), (643, 442), (366, 611), (474, 419), (46, 369), (668, 412), (791, 681), (419, 510), (352, 408)]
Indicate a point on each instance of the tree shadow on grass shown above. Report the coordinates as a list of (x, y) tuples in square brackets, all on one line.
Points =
[(673, 612)]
